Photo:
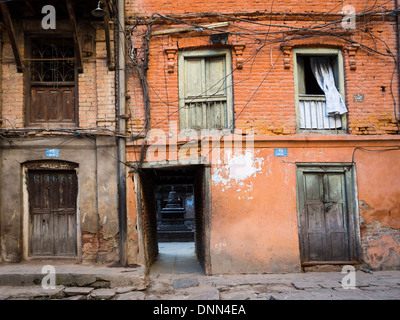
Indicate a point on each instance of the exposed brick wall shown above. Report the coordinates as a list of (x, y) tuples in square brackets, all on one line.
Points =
[(108, 248), (264, 98), (87, 95), (90, 246), (12, 98), (105, 85), (149, 218), (96, 248), (380, 246), (200, 216), (228, 6), (96, 86)]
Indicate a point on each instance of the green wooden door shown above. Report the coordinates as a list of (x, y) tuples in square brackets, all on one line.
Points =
[(326, 226)]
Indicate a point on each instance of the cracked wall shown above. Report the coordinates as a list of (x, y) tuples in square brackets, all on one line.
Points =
[(379, 204)]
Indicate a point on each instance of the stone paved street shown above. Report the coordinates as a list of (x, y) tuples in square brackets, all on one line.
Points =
[(176, 275), (381, 285)]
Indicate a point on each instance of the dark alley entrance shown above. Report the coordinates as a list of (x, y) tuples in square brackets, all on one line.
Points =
[(173, 216), (176, 258)]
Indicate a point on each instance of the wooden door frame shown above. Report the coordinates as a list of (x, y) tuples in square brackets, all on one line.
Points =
[(46, 165), (349, 171)]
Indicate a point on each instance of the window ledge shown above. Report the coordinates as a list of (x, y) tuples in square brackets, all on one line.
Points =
[(310, 97), (303, 137), (52, 125), (322, 131)]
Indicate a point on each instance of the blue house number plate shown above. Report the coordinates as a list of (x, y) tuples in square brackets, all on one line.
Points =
[(52, 153), (280, 153)]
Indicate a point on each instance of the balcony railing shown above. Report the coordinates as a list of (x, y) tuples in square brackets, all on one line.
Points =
[(312, 114), (207, 113)]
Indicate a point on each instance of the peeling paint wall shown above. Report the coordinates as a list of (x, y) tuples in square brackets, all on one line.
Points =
[(254, 224), (254, 207), (235, 175), (254, 211), (97, 206), (379, 203)]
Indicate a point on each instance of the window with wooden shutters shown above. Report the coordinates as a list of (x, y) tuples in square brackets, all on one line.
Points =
[(51, 81), (312, 105), (205, 90)]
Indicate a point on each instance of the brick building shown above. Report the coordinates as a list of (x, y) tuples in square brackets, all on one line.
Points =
[(282, 115), (59, 194), (277, 122)]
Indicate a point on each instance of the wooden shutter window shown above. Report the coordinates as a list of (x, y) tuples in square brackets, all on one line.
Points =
[(52, 104), (205, 93), (52, 81)]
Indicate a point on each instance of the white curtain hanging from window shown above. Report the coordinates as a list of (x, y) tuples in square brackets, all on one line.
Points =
[(313, 116), (323, 72)]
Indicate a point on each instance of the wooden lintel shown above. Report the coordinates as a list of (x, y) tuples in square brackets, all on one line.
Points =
[(106, 19), (187, 29), (74, 28), (11, 34)]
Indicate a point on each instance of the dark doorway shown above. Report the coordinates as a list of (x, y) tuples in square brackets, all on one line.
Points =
[(174, 207)]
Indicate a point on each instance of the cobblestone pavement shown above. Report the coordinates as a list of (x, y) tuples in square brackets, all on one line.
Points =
[(380, 285)]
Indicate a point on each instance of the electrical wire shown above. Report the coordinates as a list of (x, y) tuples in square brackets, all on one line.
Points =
[(266, 39), (395, 148), (319, 29)]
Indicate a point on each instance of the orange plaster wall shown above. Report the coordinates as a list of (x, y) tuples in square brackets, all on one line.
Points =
[(379, 200), (253, 228), (254, 220)]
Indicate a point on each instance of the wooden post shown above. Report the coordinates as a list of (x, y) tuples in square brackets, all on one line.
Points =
[(74, 28), (11, 35), (106, 19)]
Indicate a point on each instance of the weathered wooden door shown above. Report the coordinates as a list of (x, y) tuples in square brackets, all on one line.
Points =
[(326, 225), (52, 204)]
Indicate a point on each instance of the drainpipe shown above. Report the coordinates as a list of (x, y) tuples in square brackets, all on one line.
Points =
[(121, 142), (397, 27)]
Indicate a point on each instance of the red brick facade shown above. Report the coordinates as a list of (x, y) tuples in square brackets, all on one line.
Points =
[(266, 66), (262, 37), (248, 209)]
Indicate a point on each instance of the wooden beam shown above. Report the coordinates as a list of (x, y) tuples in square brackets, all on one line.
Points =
[(11, 34), (31, 8), (74, 29), (187, 29), (106, 19)]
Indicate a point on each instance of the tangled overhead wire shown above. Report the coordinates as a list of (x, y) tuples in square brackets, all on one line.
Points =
[(253, 29)]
